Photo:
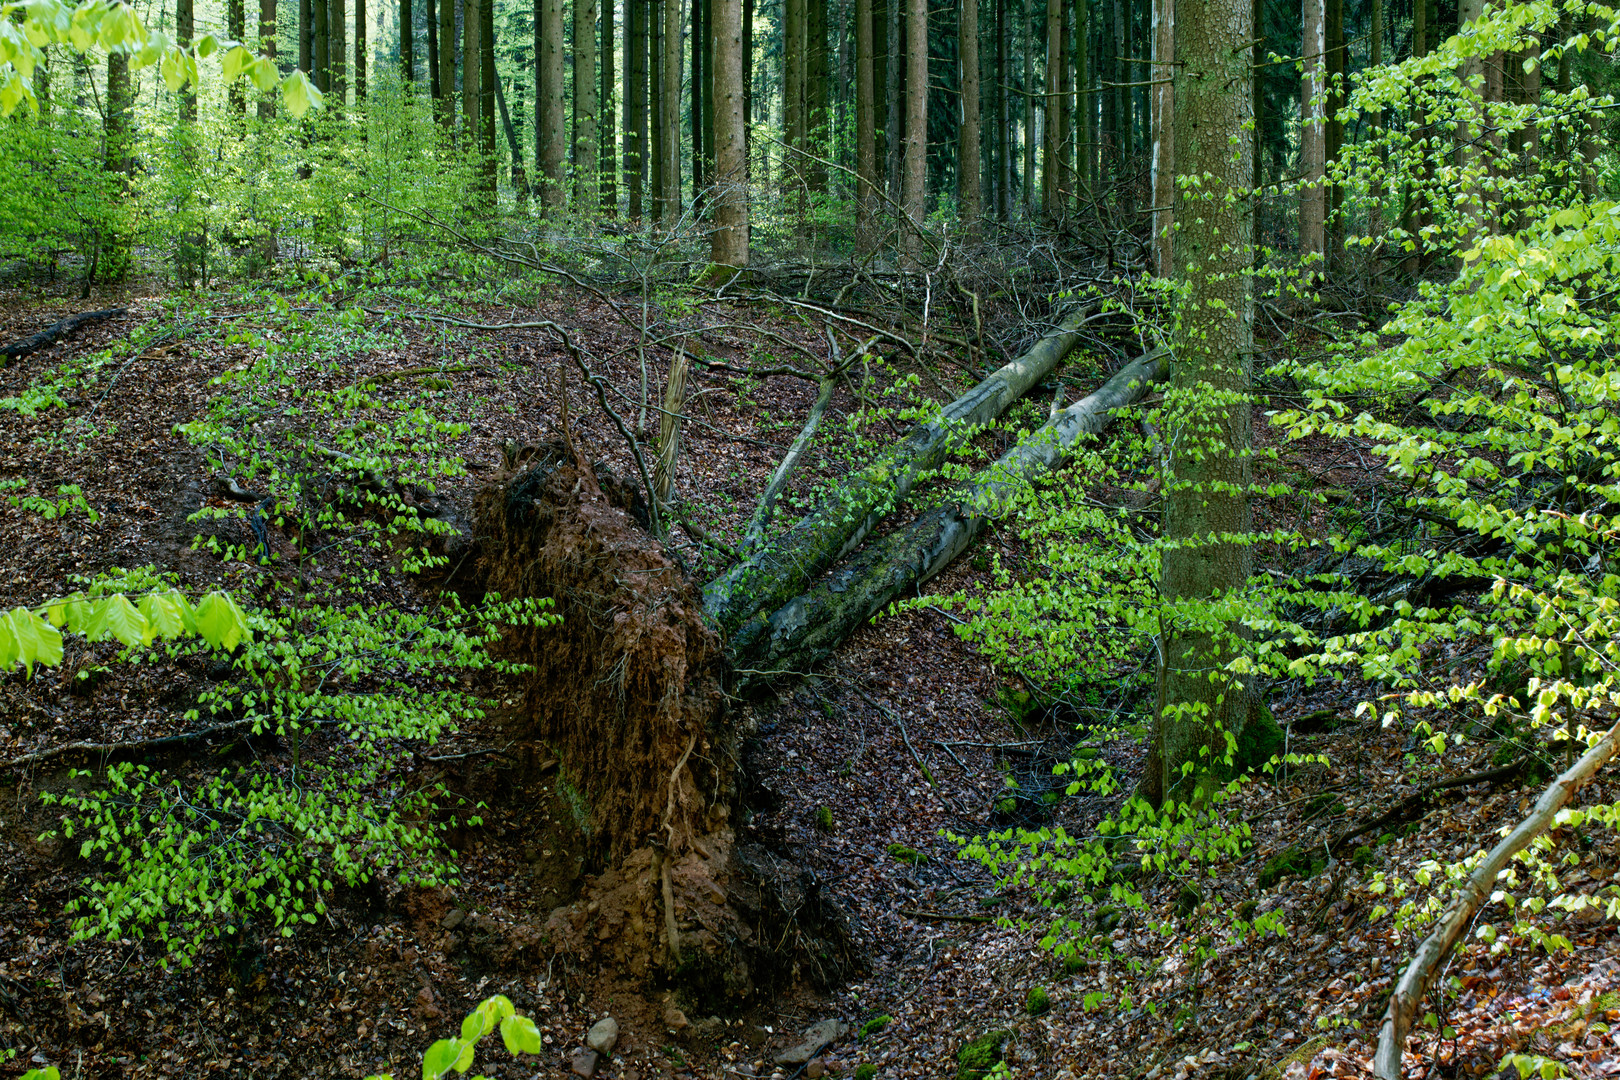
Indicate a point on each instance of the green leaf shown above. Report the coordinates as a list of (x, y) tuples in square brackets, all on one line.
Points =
[(472, 1028), (27, 639), (520, 1035), (440, 1058), (220, 622), (300, 95), (115, 617)]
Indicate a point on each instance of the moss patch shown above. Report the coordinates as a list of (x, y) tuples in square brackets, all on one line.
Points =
[(975, 1060), (875, 1025), (907, 854), (1261, 738), (1290, 862), (1038, 1001), (865, 1072)]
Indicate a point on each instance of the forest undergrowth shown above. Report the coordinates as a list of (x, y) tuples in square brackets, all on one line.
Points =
[(325, 439)]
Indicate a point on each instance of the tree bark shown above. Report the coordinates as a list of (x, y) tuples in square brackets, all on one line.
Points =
[(817, 134), (866, 166), (1084, 108), (407, 42), (320, 46), (550, 127), (514, 146), (635, 105), (306, 41), (609, 162), (769, 578), (1052, 107), (486, 95), (1313, 136), (671, 152), (1207, 516), (793, 111), (185, 25), (1164, 137), (729, 240), (1004, 142), (913, 193), (267, 48), (1469, 160), (361, 57), (655, 107), (587, 193), (337, 53), (1027, 19), (972, 204), (806, 629), (893, 148), (447, 61)]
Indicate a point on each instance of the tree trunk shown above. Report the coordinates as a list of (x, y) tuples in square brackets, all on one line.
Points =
[(671, 151), (635, 105), (968, 164), (806, 630), (1004, 142), (361, 56), (1084, 103), (913, 195), (655, 108), (1119, 93), (793, 111), (609, 163), (236, 27), (486, 97), (447, 61), (1207, 496), (407, 42), (267, 48), (306, 41), (520, 178), (1164, 137), (1313, 137), (1052, 107), (119, 129), (729, 240), (320, 46), (893, 149), (337, 21), (817, 139), (1027, 19), (185, 25), (1337, 73), (764, 580), (748, 81), (866, 166), (587, 193), (706, 112), (1413, 219), (550, 126)]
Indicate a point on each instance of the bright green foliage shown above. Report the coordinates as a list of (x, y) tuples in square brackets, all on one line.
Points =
[(29, 637), (875, 1025), (27, 29), (977, 1058), (456, 1055)]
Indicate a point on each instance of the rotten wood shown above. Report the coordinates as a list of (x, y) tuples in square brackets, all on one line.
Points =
[(56, 331)]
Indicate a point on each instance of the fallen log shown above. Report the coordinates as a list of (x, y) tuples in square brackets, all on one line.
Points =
[(770, 577), (56, 330), (808, 628), (1425, 966)]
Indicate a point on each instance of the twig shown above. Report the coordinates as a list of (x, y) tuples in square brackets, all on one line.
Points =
[(940, 916), (927, 773), (39, 756), (755, 531)]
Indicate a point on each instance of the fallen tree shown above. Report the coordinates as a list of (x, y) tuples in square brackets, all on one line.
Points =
[(807, 628), (1425, 966), (770, 576), (55, 332)]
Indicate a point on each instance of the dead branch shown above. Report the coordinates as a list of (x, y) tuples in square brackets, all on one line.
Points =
[(56, 331)]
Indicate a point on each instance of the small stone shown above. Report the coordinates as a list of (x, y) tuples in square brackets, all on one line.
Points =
[(674, 1019), (815, 1070), (584, 1062), (630, 1074), (603, 1036), (456, 917), (816, 1038)]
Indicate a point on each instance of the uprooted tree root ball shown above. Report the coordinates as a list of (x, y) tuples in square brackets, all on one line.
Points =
[(627, 696)]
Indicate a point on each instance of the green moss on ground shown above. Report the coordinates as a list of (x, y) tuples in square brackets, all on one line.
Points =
[(1037, 1002), (975, 1060), (907, 854)]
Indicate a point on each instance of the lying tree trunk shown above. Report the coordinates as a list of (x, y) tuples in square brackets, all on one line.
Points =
[(769, 578), (1425, 965), (55, 331), (808, 628)]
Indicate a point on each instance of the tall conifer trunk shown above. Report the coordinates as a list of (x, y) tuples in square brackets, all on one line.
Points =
[(1313, 133), (407, 41), (550, 126), (267, 48), (337, 23), (1027, 20), (236, 27), (913, 190), (866, 167), (968, 156), (635, 105), (486, 95), (609, 162), (729, 240), (1004, 142), (361, 51), (447, 61), (1164, 136), (587, 193), (1052, 109), (670, 152)]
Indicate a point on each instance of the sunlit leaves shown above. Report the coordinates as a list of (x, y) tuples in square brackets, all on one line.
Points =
[(34, 637)]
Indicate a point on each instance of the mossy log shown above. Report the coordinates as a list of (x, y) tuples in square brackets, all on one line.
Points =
[(770, 577), (807, 628)]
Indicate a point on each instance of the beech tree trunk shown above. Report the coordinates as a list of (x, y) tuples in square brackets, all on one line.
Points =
[(913, 193), (866, 165), (1164, 137), (729, 240), (1207, 494), (972, 207), (766, 579), (550, 127), (587, 193), (1313, 136), (806, 629)]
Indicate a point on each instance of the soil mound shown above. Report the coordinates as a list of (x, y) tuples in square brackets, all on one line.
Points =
[(628, 697)]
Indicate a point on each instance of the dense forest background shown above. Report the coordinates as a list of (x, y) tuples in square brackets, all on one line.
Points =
[(802, 537)]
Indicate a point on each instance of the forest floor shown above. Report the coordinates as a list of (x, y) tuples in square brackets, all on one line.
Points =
[(905, 738)]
